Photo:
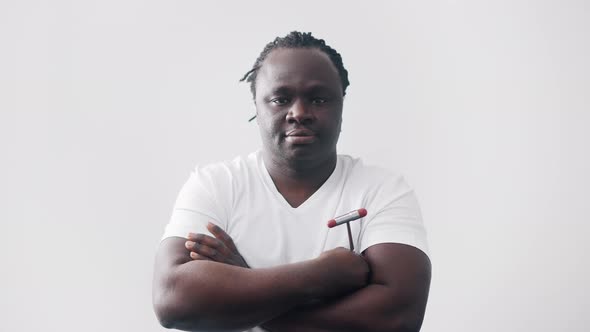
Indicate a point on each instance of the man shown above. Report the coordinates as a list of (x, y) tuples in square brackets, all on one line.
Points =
[(247, 246)]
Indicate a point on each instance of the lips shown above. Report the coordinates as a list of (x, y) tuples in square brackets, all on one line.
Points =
[(300, 136), (300, 132)]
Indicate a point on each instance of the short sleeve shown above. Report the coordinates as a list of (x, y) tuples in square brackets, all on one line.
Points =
[(397, 217), (199, 202)]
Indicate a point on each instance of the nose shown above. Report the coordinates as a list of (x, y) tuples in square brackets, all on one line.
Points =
[(300, 113)]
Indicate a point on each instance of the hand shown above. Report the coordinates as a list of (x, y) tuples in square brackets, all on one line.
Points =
[(342, 271), (220, 248)]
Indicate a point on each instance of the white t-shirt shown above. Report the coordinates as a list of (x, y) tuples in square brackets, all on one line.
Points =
[(241, 198)]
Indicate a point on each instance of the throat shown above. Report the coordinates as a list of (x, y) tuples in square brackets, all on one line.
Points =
[(297, 190), (296, 197), (298, 185)]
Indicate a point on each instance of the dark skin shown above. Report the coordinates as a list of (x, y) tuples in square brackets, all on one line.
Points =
[(299, 112), (299, 93), (405, 295)]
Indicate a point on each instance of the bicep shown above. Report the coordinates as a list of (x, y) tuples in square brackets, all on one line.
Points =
[(404, 270), (169, 256), (171, 252)]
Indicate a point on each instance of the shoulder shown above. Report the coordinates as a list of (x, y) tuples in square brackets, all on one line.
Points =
[(214, 186), (225, 171), (393, 210), (374, 178)]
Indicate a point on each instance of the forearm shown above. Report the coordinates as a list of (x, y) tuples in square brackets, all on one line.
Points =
[(208, 295), (394, 300), (373, 308)]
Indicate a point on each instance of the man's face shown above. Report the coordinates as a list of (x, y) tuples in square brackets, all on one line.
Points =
[(299, 105)]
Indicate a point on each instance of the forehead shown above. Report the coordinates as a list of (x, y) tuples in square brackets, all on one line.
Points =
[(297, 68)]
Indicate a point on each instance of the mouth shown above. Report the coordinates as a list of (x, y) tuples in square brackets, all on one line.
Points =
[(300, 136)]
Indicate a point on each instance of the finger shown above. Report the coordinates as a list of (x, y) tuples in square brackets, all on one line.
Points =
[(218, 246), (198, 257), (223, 236), (195, 256), (206, 240), (205, 251), (235, 257), (209, 247)]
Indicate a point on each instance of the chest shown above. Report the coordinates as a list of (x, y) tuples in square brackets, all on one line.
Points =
[(269, 233)]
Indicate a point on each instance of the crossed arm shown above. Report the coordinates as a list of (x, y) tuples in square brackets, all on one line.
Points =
[(213, 289)]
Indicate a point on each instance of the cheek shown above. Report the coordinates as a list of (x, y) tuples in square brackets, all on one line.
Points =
[(333, 123), (269, 126)]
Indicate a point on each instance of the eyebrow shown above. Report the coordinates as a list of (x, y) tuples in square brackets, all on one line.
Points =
[(281, 90), (320, 88), (314, 88)]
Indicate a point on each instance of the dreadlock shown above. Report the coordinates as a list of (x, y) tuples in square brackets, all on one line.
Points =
[(297, 39)]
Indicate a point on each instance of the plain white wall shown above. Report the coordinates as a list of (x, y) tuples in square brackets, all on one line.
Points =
[(106, 106)]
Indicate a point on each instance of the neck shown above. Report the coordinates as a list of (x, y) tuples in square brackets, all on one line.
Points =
[(299, 178)]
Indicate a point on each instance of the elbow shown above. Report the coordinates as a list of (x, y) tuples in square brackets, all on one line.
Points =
[(400, 320), (167, 313), (165, 317), (410, 322), (172, 312)]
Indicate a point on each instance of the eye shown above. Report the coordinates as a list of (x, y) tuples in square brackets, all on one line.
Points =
[(280, 101), (319, 100)]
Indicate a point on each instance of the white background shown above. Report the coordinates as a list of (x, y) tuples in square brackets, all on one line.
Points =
[(106, 106)]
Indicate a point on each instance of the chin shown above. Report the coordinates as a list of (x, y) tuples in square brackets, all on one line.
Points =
[(302, 155)]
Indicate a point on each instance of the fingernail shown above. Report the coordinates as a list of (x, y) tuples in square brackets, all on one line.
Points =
[(193, 254), (189, 244)]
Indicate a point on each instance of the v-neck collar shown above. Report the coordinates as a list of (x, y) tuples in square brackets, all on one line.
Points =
[(317, 196)]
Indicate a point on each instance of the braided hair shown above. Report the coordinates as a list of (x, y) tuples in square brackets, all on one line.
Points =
[(297, 39)]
